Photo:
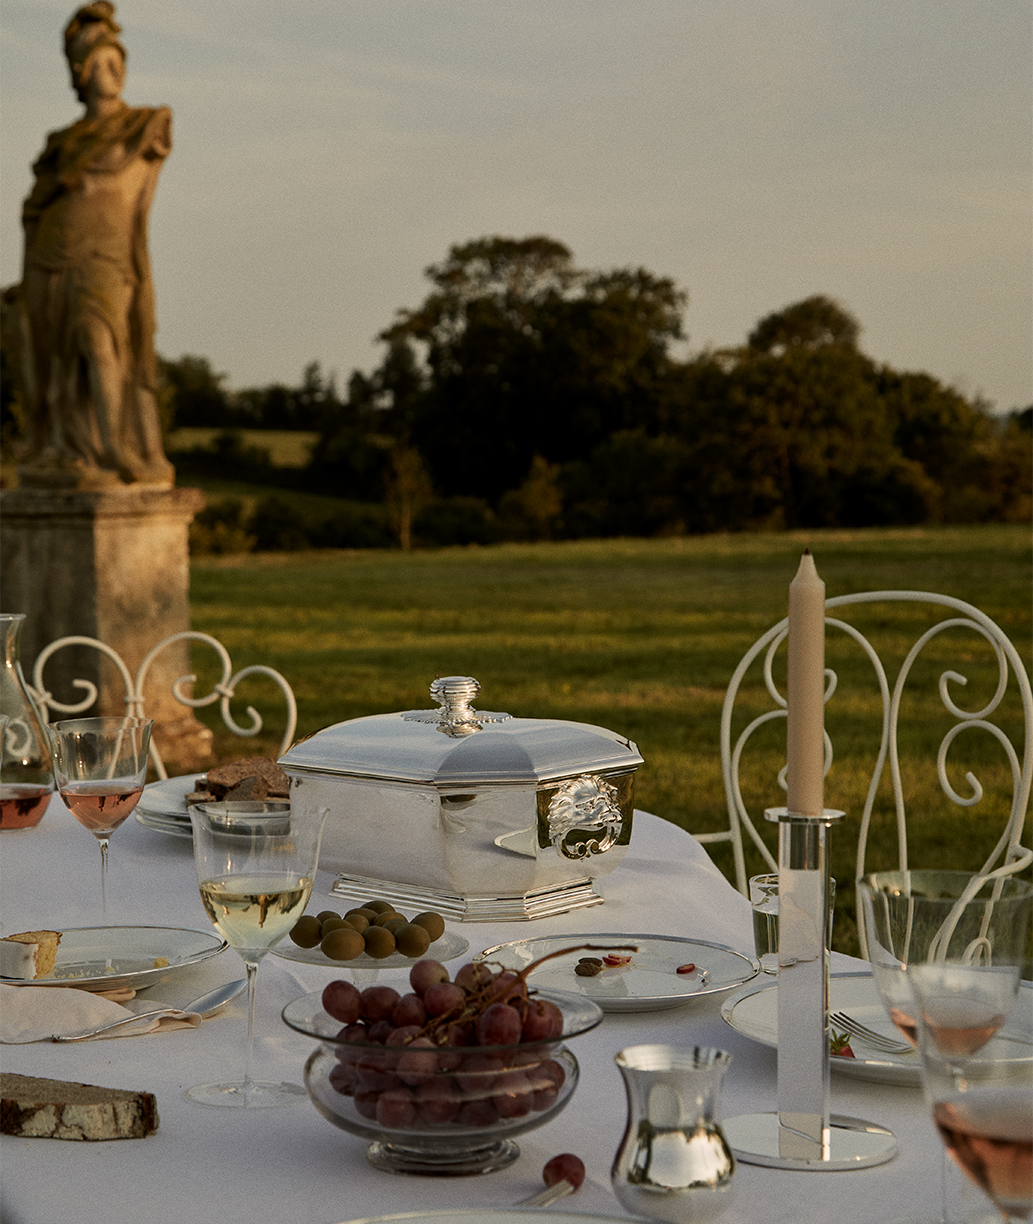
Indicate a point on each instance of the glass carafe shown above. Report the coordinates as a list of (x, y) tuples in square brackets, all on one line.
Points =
[(26, 770), (674, 1162)]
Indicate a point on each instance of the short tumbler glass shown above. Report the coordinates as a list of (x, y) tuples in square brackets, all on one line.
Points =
[(764, 899)]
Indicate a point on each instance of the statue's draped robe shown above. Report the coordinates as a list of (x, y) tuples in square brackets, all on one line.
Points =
[(86, 264)]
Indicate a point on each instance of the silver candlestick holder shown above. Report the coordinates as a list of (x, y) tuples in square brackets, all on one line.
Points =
[(801, 1133)]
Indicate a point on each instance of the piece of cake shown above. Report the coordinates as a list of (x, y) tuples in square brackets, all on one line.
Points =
[(53, 1109), (29, 954)]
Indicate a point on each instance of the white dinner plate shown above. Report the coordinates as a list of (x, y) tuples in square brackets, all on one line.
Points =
[(754, 1013), (649, 982), (493, 1215), (163, 807), (447, 948), (103, 958)]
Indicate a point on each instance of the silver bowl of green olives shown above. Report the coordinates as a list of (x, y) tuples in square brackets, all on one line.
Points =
[(439, 1079)]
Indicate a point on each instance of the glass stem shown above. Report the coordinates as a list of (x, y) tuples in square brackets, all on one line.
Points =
[(252, 974), (104, 877)]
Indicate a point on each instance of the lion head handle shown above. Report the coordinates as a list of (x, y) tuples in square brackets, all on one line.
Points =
[(585, 805)]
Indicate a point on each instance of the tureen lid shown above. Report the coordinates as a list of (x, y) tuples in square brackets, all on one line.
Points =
[(457, 745)]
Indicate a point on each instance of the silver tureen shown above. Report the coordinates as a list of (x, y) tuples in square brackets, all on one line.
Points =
[(480, 816)]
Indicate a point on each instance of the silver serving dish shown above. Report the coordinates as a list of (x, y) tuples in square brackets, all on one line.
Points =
[(480, 816)]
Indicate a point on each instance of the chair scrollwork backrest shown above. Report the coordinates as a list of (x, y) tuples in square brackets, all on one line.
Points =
[(223, 690), (1008, 855)]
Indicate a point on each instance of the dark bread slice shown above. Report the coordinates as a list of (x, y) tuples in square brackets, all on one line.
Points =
[(54, 1109), (224, 778)]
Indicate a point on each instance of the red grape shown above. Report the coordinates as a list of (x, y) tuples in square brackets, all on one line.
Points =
[(438, 1101), (547, 1079), (512, 1094), (478, 1072), (377, 1002), (342, 1001), (418, 1063), (477, 1113), (425, 973), (402, 1035), (473, 975), (441, 997), (499, 1024), (342, 1079), (409, 1010), (396, 1107), (565, 1167), (543, 1021)]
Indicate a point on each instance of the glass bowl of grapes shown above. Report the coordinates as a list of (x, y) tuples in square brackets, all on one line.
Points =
[(441, 1076)]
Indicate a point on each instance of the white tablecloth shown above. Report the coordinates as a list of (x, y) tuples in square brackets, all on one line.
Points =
[(289, 1166)]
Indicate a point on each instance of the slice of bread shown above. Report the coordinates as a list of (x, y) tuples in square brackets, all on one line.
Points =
[(29, 954), (53, 1109), (225, 778)]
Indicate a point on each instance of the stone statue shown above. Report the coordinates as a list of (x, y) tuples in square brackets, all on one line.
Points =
[(84, 317)]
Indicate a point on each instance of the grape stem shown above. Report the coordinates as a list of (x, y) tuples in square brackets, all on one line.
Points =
[(514, 994)]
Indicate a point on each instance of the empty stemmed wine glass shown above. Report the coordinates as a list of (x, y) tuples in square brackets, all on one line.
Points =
[(100, 766), (256, 863), (954, 940)]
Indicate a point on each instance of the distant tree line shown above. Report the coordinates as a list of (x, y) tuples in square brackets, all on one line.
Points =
[(527, 398)]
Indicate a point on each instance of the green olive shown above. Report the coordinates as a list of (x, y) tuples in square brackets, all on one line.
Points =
[(386, 916), (357, 919), (379, 906), (392, 924), (432, 923), (365, 911), (379, 942), (333, 924), (307, 932), (412, 940), (323, 915), (342, 944)]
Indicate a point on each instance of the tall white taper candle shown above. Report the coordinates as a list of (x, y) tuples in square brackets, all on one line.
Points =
[(805, 733)]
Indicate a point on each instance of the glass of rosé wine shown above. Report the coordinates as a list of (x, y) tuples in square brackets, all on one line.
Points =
[(947, 950), (100, 766)]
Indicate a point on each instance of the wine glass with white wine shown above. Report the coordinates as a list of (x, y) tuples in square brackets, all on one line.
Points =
[(946, 949), (256, 863)]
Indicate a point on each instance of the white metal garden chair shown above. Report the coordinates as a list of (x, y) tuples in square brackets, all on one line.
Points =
[(1009, 855), (223, 690)]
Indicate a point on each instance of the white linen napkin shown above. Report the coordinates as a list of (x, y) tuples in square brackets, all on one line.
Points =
[(38, 1014)]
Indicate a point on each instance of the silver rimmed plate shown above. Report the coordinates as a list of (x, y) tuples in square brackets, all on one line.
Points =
[(447, 948), (492, 1215), (103, 958), (163, 807), (649, 982), (754, 1013)]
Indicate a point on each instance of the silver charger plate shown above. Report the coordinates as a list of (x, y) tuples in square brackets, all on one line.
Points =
[(754, 1014), (105, 957), (649, 983), (447, 948)]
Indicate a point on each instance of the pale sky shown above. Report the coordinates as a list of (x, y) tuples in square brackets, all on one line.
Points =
[(755, 151)]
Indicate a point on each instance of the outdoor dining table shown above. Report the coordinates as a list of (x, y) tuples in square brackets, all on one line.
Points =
[(289, 1165)]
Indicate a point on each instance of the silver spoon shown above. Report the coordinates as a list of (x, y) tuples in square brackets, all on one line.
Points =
[(206, 1005)]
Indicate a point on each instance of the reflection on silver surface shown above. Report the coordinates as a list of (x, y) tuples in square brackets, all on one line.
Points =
[(673, 1163), (482, 817), (853, 1143)]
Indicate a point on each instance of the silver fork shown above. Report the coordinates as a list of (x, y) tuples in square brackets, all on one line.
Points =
[(887, 1045)]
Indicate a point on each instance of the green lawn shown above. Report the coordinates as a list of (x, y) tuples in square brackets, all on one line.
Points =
[(642, 636), (287, 447)]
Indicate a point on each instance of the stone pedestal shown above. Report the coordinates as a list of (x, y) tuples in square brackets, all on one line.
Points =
[(113, 565)]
